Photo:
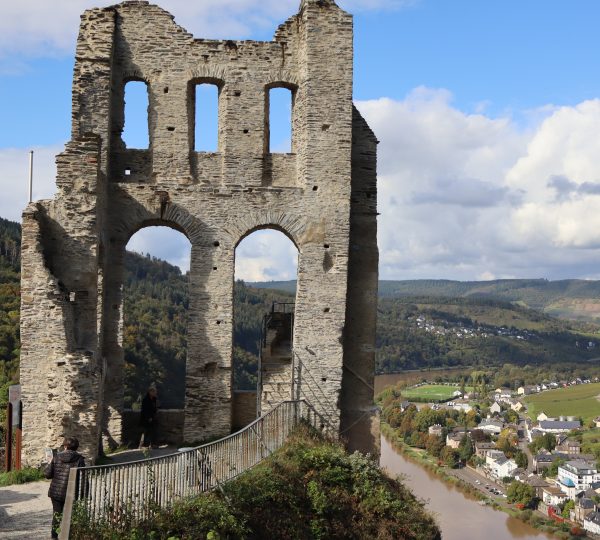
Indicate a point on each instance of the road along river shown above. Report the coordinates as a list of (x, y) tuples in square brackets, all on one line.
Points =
[(460, 516)]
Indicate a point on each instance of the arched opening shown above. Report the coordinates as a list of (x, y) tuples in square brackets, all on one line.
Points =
[(266, 267), (154, 333), (136, 122), (279, 105), (204, 113)]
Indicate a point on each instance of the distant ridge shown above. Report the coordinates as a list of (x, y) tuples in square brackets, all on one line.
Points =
[(575, 299), (287, 286)]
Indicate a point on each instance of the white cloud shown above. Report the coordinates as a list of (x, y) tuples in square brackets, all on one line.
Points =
[(266, 256), (466, 196), (45, 28), (14, 175), (162, 242)]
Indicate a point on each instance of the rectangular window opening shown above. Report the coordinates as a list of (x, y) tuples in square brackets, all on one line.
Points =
[(206, 127), (135, 129), (280, 120)]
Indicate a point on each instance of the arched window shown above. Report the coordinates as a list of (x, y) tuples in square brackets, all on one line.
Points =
[(278, 118), (205, 132), (266, 264), (136, 128), (155, 313)]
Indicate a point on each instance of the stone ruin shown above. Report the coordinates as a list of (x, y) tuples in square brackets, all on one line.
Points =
[(322, 195)]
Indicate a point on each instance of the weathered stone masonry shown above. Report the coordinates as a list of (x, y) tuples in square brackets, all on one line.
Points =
[(322, 196)]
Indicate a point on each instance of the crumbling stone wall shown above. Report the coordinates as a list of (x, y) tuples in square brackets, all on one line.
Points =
[(322, 196)]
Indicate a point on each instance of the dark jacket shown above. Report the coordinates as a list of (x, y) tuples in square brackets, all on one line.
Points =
[(149, 408), (58, 470)]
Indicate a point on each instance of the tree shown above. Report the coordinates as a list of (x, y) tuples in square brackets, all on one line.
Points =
[(449, 456), (407, 425), (465, 448), (566, 511), (552, 470), (521, 459), (418, 439), (427, 417), (478, 435), (477, 461), (546, 441), (512, 417), (434, 445), (520, 493), (472, 419), (507, 442)]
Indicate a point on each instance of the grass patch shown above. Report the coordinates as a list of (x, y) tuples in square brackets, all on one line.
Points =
[(580, 401), (431, 392), (20, 477)]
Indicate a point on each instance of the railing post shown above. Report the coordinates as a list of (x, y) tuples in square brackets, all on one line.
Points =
[(65, 524), (19, 438), (8, 436)]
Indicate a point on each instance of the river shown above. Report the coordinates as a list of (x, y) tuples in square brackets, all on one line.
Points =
[(459, 516)]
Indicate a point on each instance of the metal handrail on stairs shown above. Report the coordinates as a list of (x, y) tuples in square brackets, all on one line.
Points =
[(131, 492), (305, 386)]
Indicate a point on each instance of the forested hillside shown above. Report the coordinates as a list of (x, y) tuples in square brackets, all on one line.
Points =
[(423, 332), (10, 249), (575, 299), (570, 298)]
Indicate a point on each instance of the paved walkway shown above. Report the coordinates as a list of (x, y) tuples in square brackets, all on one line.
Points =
[(25, 511), (135, 455)]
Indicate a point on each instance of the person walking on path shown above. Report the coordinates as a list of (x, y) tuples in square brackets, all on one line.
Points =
[(58, 470), (148, 418)]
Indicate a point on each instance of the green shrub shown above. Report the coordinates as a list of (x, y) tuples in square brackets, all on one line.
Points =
[(23, 476), (207, 516)]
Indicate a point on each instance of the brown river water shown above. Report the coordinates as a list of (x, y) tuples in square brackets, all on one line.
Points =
[(460, 516)]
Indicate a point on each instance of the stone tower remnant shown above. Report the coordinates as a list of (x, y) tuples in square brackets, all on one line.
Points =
[(322, 195)]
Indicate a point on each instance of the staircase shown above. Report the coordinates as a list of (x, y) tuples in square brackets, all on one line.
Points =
[(275, 362)]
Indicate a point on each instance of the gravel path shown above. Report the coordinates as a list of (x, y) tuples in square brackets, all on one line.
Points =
[(25, 511)]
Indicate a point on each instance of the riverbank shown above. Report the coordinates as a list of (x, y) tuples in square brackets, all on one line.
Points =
[(429, 463), (422, 458)]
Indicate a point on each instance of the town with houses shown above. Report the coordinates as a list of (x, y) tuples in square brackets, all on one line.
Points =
[(466, 330), (565, 481)]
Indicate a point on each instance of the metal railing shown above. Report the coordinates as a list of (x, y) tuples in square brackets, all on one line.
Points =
[(123, 494), (276, 320), (283, 307), (305, 386)]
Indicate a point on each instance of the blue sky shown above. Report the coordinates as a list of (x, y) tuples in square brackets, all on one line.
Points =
[(488, 113)]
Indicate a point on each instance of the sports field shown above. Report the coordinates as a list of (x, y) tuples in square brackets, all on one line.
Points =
[(581, 401), (430, 392)]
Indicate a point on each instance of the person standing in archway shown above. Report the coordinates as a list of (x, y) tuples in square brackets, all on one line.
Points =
[(148, 418)]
